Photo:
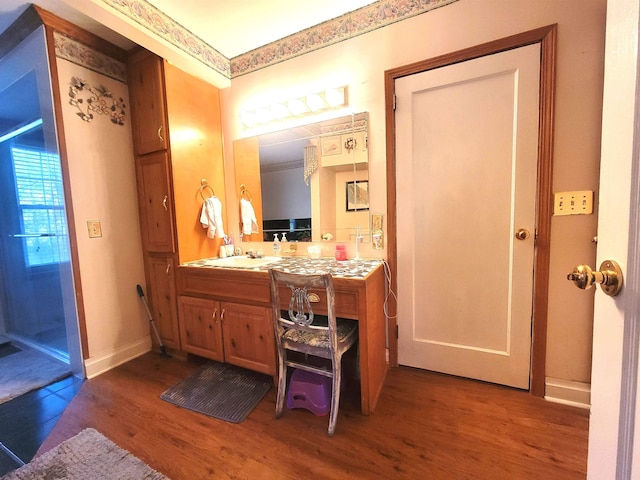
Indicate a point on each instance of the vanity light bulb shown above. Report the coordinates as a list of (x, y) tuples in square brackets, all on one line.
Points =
[(297, 106), (335, 96), (280, 111), (264, 115), (316, 102)]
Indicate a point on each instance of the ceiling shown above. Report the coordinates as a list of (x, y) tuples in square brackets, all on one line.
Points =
[(231, 27)]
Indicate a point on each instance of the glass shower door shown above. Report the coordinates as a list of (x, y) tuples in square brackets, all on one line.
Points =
[(36, 283)]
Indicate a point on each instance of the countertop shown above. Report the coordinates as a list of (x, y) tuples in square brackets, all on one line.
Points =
[(348, 268)]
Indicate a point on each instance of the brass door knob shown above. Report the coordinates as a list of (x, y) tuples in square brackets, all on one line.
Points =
[(609, 277), (522, 234)]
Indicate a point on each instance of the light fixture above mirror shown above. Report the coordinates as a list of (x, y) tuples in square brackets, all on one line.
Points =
[(296, 107)]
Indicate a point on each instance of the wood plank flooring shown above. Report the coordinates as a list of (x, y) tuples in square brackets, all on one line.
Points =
[(426, 425)]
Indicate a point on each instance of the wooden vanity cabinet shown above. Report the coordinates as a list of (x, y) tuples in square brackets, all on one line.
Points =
[(243, 298), (230, 332)]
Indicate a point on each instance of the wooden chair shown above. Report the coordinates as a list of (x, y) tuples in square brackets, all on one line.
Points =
[(299, 329)]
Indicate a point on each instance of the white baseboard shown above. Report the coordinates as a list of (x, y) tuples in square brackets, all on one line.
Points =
[(94, 366), (568, 392)]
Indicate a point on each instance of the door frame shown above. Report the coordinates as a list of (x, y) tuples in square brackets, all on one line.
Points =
[(546, 36)]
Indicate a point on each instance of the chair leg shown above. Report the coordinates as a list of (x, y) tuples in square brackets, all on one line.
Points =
[(335, 398), (282, 387)]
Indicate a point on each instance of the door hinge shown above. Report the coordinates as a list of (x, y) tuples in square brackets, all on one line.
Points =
[(394, 101), (397, 330)]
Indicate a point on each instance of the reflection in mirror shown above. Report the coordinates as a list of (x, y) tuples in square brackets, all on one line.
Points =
[(308, 182)]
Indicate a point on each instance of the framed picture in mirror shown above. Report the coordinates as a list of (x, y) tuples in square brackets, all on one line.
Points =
[(332, 145), (357, 195)]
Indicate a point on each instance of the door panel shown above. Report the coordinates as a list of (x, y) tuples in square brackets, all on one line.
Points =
[(467, 138), (162, 293), (155, 203), (200, 328)]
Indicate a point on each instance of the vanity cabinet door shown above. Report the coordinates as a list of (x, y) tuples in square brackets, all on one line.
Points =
[(148, 110), (200, 327), (156, 206), (162, 296), (248, 337)]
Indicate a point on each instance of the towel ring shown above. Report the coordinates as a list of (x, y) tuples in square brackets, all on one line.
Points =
[(244, 193), (204, 185)]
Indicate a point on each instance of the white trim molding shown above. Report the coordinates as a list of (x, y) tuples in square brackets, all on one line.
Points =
[(95, 366), (568, 392)]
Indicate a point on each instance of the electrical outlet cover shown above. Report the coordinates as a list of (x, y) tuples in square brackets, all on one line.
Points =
[(95, 229)]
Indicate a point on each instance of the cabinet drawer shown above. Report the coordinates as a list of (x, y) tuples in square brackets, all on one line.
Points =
[(245, 287), (346, 302)]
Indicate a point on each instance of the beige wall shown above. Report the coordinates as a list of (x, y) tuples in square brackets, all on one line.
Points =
[(360, 63), (102, 176)]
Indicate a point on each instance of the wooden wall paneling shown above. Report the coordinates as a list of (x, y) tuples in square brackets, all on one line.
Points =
[(195, 140)]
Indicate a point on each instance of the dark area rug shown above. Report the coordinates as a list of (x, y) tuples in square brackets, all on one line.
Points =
[(220, 390)]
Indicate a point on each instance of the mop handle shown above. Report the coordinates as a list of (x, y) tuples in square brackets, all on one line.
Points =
[(144, 300)]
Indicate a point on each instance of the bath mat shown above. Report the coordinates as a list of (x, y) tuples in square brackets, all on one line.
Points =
[(220, 390), (87, 456), (28, 370)]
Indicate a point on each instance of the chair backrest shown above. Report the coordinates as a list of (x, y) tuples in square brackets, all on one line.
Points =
[(300, 313)]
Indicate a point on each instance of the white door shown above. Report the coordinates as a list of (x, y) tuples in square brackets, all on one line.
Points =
[(467, 138), (614, 429)]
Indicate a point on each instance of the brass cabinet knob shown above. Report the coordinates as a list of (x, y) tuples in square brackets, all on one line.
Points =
[(522, 234), (609, 277)]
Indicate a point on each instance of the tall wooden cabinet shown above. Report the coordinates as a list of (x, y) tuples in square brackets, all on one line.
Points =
[(177, 137)]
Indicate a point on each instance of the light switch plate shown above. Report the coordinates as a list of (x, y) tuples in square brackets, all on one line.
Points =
[(579, 202), (95, 229)]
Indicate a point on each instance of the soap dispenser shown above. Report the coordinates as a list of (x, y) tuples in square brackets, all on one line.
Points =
[(284, 237), (276, 245)]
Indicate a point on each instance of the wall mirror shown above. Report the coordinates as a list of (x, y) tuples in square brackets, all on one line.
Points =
[(309, 182)]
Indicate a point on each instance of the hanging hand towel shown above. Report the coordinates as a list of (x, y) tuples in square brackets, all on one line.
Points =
[(211, 217), (249, 221)]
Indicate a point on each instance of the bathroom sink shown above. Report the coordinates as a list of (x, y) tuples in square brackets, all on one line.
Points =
[(241, 262)]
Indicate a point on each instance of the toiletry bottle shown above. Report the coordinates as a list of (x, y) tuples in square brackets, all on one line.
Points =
[(276, 245), (284, 237)]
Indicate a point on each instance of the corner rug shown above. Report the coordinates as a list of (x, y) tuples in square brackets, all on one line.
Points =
[(220, 390), (28, 370), (87, 456)]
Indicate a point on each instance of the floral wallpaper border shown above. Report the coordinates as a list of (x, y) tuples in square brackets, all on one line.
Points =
[(153, 19), (358, 22), (80, 54)]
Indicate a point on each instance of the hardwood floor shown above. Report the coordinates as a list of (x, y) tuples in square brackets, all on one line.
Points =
[(426, 425)]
